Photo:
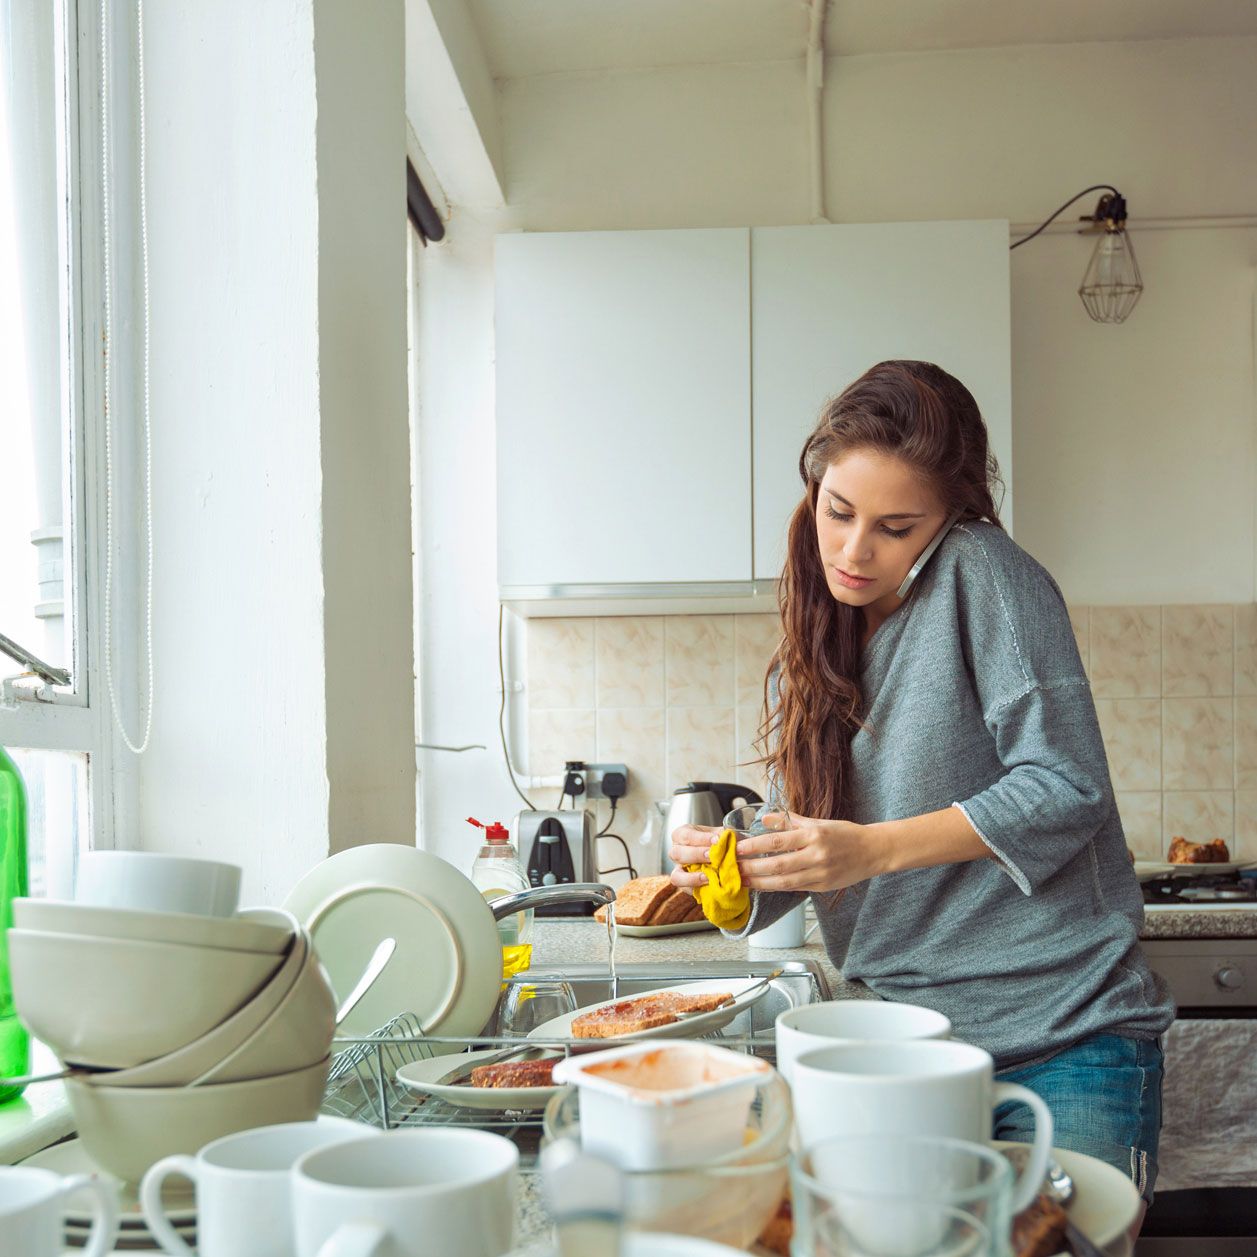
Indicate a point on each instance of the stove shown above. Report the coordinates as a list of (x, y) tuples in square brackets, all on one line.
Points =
[(1190, 890)]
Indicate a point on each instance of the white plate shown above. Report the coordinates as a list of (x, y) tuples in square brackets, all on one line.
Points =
[(561, 1027), (658, 931), (1147, 869), (422, 1076), (448, 964), (1105, 1201)]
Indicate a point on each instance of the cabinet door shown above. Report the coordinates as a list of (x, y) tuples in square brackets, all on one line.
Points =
[(828, 302), (623, 407)]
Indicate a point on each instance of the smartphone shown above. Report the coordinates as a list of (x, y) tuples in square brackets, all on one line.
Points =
[(919, 565)]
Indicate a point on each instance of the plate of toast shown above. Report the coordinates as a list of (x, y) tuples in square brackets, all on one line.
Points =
[(650, 906), (683, 1011), (520, 1085)]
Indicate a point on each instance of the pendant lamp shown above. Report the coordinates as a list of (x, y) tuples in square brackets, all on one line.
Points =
[(1111, 284)]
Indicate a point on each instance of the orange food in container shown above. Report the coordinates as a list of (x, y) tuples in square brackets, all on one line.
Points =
[(654, 1106)]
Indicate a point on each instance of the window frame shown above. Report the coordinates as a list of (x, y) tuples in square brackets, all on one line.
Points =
[(77, 718)]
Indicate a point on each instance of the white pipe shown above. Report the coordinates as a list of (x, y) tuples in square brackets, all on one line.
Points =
[(815, 101)]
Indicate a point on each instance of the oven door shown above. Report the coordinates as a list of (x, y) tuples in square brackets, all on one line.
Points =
[(1206, 1198)]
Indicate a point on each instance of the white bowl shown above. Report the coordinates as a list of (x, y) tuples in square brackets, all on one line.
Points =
[(127, 1129), (296, 1033), (115, 1003), (266, 930), (157, 882), (219, 1047)]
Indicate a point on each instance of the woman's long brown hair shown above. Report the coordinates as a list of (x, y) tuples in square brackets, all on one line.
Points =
[(918, 413)]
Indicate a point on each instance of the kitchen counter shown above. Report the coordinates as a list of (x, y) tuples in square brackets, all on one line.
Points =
[(1200, 923)]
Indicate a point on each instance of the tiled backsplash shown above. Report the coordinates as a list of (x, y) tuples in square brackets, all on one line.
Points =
[(677, 698)]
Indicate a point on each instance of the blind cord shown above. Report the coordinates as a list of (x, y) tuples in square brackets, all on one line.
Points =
[(106, 348)]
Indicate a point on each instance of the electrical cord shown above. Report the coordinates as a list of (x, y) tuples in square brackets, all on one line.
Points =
[(1095, 187), (506, 754), (606, 829), (605, 832)]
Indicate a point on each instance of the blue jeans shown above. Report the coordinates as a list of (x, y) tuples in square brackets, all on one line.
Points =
[(1105, 1098)]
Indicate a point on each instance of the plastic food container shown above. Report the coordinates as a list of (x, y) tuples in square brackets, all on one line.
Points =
[(657, 1105)]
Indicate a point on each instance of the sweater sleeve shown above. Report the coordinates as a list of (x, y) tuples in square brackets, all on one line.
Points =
[(1055, 793)]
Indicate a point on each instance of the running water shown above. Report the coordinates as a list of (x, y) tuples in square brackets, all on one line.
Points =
[(615, 981)]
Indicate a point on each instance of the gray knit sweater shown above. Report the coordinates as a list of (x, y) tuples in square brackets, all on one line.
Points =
[(975, 697)]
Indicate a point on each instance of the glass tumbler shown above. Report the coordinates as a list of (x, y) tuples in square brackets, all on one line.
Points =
[(901, 1196), (527, 1004)]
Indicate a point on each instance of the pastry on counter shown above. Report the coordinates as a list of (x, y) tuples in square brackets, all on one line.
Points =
[(1184, 852)]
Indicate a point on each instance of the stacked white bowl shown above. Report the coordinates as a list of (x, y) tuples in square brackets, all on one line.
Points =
[(184, 1018)]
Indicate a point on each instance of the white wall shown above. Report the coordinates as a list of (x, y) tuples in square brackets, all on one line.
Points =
[(1101, 442), (282, 641)]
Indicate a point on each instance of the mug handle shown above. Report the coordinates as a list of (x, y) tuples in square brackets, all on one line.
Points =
[(1030, 1181), (150, 1201), (354, 1239), (105, 1223)]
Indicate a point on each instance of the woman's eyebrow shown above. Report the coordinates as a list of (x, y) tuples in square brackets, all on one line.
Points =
[(899, 515)]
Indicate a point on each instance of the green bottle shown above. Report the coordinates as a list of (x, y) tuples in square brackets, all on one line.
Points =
[(15, 1042)]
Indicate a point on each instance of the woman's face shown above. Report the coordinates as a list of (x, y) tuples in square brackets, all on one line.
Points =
[(873, 519)]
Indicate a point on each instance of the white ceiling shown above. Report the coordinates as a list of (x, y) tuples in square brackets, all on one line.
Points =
[(529, 37)]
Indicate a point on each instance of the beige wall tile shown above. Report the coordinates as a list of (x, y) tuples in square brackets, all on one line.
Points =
[(1246, 743), (1132, 740), (1198, 816), (636, 736), (749, 773), (702, 745), (699, 660), (755, 640), (560, 663), (1197, 650), (556, 735), (1198, 747), (1125, 652), (1246, 649), (629, 655), (1245, 847), (1080, 618), (1140, 811)]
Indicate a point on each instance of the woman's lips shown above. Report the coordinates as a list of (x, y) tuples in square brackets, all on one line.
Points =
[(851, 582)]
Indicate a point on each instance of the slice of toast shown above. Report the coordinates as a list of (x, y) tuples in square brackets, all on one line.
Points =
[(515, 1074), (638, 900), (625, 1017), (704, 1002), (674, 908)]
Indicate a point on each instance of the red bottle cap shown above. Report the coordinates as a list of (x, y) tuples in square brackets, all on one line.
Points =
[(494, 832)]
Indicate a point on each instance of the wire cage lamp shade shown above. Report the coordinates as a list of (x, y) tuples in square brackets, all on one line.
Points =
[(1111, 285)]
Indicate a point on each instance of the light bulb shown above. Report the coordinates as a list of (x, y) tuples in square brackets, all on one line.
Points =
[(1112, 284)]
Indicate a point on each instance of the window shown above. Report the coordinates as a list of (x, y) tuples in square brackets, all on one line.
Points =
[(56, 725)]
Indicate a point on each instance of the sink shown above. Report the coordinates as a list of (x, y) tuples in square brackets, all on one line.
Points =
[(801, 982)]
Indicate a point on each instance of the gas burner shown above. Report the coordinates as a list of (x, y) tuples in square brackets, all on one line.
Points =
[(1222, 888)]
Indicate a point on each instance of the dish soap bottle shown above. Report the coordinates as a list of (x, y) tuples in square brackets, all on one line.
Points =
[(15, 1042), (497, 871)]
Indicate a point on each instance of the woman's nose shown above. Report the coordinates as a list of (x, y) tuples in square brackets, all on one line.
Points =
[(857, 549)]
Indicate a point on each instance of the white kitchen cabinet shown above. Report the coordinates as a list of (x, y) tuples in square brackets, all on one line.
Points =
[(623, 409), (827, 302)]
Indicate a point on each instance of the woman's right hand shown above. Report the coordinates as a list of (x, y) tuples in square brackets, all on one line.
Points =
[(690, 845)]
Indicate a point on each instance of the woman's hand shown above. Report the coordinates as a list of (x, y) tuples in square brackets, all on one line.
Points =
[(690, 845), (809, 855)]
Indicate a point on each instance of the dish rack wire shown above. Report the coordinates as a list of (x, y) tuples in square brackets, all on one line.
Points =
[(362, 1083)]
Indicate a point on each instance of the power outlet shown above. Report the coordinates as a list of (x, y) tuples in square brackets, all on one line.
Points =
[(594, 774)]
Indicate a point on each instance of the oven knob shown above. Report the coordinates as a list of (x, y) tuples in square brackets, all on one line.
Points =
[(1229, 979)]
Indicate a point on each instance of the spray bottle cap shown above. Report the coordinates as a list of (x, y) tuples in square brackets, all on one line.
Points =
[(494, 832)]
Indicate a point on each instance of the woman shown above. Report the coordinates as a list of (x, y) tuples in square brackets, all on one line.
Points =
[(950, 808)]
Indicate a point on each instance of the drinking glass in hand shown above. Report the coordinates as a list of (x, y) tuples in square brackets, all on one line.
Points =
[(752, 819)]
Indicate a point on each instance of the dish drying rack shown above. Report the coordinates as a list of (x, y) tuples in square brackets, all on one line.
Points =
[(362, 1083)]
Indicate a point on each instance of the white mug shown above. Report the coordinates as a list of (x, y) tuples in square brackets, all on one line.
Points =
[(243, 1193), (920, 1087), (407, 1193), (153, 881), (31, 1215), (786, 931), (846, 1021)]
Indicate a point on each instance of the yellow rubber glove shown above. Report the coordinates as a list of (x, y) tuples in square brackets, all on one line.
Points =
[(726, 902)]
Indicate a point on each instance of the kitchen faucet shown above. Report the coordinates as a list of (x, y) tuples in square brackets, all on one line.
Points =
[(545, 896)]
